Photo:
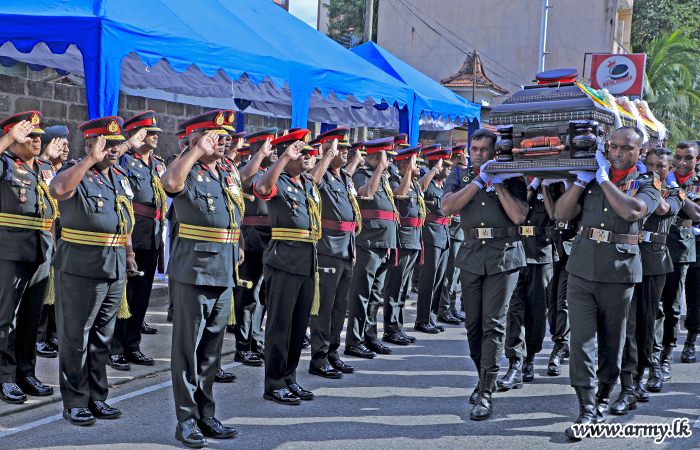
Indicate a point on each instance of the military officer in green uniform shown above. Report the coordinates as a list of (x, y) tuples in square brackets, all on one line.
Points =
[(336, 251), (27, 212), (682, 246), (436, 237), (144, 170), (92, 260), (250, 303), (656, 263), (604, 265), (373, 245), (527, 321), (491, 208), (203, 258), (290, 264), (447, 311)]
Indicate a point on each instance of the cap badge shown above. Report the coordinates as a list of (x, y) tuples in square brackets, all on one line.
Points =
[(220, 119), (306, 137), (153, 121), (35, 119), (113, 127), (232, 117)]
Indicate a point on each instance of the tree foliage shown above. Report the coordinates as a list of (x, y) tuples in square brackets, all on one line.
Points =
[(349, 15), (652, 18)]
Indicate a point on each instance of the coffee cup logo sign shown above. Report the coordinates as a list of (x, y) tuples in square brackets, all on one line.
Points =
[(619, 74)]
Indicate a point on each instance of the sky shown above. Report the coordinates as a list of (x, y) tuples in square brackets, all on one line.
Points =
[(306, 10)]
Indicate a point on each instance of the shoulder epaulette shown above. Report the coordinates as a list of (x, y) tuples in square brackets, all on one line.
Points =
[(119, 169), (156, 157)]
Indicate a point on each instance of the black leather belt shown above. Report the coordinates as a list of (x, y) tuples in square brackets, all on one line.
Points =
[(490, 233), (564, 225), (596, 234), (648, 236), (680, 222), (535, 231)]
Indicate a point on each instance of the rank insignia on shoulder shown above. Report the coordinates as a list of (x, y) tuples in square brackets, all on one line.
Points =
[(657, 183)]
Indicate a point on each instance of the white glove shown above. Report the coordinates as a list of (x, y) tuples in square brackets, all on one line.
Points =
[(602, 175), (641, 167), (671, 181), (501, 177), (584, 175), (486, 177), (696, 231), (567, 184), (535, 183), (600, 159), (549, 182)]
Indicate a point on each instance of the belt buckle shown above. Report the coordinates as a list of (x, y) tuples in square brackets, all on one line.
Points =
[(484, 233), (562, 225), (527, 230), (600, 235), (645, 236)]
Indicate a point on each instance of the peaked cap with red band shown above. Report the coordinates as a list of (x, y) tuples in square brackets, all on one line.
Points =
[(292, 130), (341, 134), (377, 145), (239, 135), (209, 121), (459, 149), (270, 133), (110, 127), (408, 153), (146, 120), (32, 116), (434, 155), (282, 142), (402, 140), (245, 150)]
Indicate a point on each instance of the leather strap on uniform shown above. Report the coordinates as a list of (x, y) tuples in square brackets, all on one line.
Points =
[(90, 238), (17, 221)]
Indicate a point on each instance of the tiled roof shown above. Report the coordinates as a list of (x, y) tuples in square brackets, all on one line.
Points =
[(464, 77)]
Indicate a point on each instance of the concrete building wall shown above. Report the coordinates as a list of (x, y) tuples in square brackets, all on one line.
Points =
[(504, 31)]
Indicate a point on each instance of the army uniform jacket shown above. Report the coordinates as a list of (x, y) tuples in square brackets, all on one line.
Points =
[(452, 184), (256, 238), (681, 240), (495, 255), (538, 249), (93, 207), (609, 262), (203, 203), (376, 233), (18, 196), (435, 234), (288, 208), (656, 258), (335, 189), (409, 237), (148, 233)]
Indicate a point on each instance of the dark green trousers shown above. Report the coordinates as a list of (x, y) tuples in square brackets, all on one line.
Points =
[(666, 328), (602, 309), (365, 295), (557, 308), (86, 311), (22, 288), (486, 299), (432, 278), (692, 301), (396, 289), (328, 324), (199, 318), (248, 302), (527, 311), (289, 298), (641, 320), (448, 295)]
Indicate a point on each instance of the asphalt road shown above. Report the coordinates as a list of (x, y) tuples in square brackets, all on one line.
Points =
[(416, 398)]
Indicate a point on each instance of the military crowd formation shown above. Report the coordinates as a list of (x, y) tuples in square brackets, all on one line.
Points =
[(306, 234)]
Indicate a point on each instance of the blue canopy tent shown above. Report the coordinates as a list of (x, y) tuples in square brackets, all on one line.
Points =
[(430, 97), (248, 49)]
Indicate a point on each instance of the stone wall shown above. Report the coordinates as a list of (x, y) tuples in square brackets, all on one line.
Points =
[(62, 104)]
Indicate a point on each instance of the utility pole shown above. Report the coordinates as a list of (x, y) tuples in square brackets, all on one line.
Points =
[(473, 76), (543, 37), (369, 19)]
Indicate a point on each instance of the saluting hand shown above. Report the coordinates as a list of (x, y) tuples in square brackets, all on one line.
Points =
[(209, 143), (439, 165), (136, 140), (266, 148), (334, 148), (383, 161), (54, 148), (99, 152), (294, 150), (20, 132)]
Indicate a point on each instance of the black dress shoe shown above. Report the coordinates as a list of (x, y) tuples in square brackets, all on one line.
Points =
[(169, 317), (224, 377), (688, 354), (53, 342), (211, 427), (341, 366), (627, 401), (378, 347), (147, 329), (102, 410), (139, 358), (414, 289), (248, 358), (189, 434), (300, 392), (459, 315), (260, 351), (307, 341), (409, 338), (359, 351), (282, 396), (326, 372), (395, 338), (79, 416), (45, 350), (118, 362), (440, 328), (32, 386), (449, 319), (11, 393), (425, 328)]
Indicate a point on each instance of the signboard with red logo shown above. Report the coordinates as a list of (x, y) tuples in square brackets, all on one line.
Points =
[(619, 74)]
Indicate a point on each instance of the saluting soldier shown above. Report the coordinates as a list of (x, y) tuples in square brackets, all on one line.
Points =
[(92, 260), (526, 323), (27, 212), (447, 311), (436, 236), (656, 263), (250, 303), (683, 248), (373, 246), (491, 208), (144, 170), (604, 266), (290, 264), (356, 157), (336, 251), (203, 258)]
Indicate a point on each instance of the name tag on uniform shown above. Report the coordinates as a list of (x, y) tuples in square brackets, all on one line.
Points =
[(127, 188)]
